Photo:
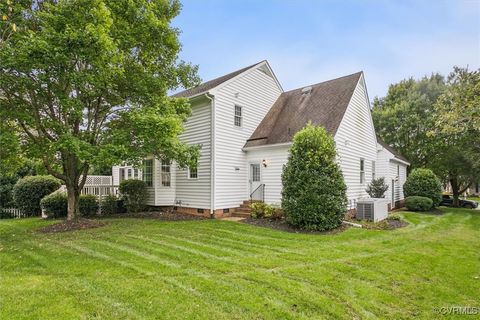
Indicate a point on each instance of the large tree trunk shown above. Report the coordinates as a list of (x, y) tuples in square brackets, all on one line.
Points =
[(73, 195), (455, 191)]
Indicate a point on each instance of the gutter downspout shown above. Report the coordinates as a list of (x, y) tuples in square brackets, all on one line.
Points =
[(212, 156)]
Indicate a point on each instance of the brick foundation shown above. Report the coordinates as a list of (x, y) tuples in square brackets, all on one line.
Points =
[(218, 213)]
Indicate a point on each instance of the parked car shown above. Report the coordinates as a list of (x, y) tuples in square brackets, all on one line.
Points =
[(447, 201)]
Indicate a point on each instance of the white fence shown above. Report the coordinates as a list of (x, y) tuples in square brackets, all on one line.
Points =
[(99, 186), (14, 212), (99, 190)]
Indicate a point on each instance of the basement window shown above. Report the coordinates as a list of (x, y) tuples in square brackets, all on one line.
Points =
[(238, 116)]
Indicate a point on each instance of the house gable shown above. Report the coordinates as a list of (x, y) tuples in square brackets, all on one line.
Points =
[(356, 143)]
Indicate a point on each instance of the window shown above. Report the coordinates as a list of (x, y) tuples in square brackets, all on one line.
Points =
[(373, 170), (129, 174), (147, 175), (362, 171), (255, 172), (398, 171), (135, 173), (122, 174), (238, 116), (193, 172), (165, 173)]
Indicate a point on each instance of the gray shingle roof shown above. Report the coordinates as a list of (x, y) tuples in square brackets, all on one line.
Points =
[(391, 149), (206, 86), (325, 105)]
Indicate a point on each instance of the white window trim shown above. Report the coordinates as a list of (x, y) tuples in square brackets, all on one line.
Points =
[(235, 115), (162, 173), (362, 172), (188, 174)]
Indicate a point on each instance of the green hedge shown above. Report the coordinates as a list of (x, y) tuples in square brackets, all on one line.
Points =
[(416, 203), (423, 183), (314, 191), (134, 193), (28, 192), (55, 205), (88, 205)]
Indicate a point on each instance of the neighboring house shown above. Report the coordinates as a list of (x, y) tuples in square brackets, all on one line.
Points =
[(393, 167), (245, 122)]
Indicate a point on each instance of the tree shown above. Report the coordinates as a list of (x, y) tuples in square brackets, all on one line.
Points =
[(423, 183), (377, 188), (457, 127), (405, 116), (314, 191), (86, 81)]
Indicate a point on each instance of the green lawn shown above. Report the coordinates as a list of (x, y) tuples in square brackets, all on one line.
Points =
[(140, 269)]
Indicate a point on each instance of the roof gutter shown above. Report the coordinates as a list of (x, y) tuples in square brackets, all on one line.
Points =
[(266, 146), (212, 154)]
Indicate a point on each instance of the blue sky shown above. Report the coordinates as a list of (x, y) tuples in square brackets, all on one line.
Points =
[(309, 41)]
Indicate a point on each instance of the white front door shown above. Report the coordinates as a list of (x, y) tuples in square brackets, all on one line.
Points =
[(255, 179)]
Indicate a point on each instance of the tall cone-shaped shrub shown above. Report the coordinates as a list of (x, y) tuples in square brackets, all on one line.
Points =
[(314, 191)]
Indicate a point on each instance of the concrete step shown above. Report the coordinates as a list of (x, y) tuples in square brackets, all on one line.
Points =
[(240, 214)]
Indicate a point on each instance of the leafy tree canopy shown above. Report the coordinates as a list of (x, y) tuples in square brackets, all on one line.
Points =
[(86, 81)]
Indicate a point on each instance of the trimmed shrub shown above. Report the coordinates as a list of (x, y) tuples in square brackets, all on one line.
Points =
[(109, 205), (88, 205), (134, 193), (55, 205), (28, 192), (423, 183), (416, 203), (377, 188), (263, 210), (394, 216), (314, 191)]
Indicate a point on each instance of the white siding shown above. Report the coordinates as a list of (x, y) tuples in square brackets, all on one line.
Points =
[(255, 92), (387, 167), (116, 175), (195, 193), (271, 176), (355, 140)]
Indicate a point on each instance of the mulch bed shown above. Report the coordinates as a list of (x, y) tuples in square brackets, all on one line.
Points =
[(283, 226), (159, 215), (384, 224), (72, 225)]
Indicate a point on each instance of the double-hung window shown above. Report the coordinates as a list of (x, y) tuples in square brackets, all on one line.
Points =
[(165, 172), (193, 172), (237, 120), (373, 170), (147, 173), (122, 174), (362, 171)]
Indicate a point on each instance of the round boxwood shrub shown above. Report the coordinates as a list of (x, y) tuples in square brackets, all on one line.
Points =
[(28, 192), (314, 191), (109, 204), (88, 205), (134, 193), (55, 205), (423, 183), (416, 203)]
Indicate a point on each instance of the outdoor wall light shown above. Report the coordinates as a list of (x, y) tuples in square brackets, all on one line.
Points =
[(264, 163)]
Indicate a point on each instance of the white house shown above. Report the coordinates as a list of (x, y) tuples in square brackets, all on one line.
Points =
[(393, 167), (245, 122)]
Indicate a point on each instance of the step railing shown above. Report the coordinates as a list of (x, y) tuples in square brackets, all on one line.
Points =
[(258, 194)]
